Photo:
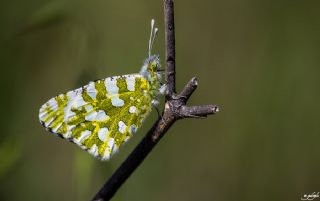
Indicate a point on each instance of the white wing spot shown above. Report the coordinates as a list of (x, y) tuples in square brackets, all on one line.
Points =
[(122, 127), (68, 114), (74, 93), (131, 98), (77, 102), (91, 116), (130, 80), (102, 134), (96, 116), (133, 128), (94, 150), (69, 131), (106, 155), (111, 86), (83, 136), (91, 90), (110, 144), (42, 112), (132, 109), (117, 102), (53, 104), (101, 116), (88, 108), (115, 149)]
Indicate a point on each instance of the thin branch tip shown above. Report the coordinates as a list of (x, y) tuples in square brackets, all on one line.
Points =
[(188, 89), (215, 109), (199, 111), (195, 81)]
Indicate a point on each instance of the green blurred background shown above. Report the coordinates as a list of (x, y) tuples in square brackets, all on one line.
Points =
[(258, 60)]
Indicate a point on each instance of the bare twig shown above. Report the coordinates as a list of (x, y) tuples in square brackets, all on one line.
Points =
[(170, 49), (175, 108)]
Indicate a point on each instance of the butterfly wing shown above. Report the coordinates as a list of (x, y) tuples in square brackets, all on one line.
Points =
[(100, 116)]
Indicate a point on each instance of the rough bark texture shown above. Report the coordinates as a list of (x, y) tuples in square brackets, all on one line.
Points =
[(175, 108)]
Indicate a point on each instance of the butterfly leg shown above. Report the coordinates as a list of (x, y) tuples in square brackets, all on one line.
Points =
[(163, 89), (158, 111)]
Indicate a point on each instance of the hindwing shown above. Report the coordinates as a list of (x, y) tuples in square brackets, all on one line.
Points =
[(100, 116)]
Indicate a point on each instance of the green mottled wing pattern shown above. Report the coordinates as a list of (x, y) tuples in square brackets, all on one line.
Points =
[(100, 116)]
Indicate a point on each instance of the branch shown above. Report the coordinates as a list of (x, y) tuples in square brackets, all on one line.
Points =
[(175, 108), (170, 48)]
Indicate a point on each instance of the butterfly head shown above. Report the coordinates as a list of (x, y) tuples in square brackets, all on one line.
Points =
[(153, 64), (151, 68)]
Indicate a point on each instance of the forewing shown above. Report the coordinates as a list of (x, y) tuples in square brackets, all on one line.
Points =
[(100, 116)]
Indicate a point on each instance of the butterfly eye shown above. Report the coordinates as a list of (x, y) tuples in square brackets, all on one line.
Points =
[(152, 67)]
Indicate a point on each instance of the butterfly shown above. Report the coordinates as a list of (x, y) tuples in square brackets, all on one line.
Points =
[(104, 114)]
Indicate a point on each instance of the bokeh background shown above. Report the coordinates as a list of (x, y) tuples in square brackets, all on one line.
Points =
[(258, 60)]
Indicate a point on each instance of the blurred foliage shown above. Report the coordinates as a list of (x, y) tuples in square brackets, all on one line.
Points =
[(259, 60), (9, 154)]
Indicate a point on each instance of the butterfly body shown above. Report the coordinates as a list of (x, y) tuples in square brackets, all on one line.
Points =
[(104, 114)]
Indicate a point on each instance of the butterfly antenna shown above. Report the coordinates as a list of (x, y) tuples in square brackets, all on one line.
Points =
[(151, 36), (154, 36)]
